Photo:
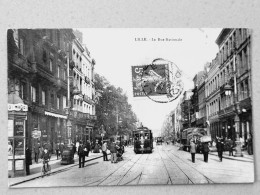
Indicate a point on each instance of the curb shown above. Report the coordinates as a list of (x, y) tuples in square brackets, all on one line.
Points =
[(251, 161), (57, 170)]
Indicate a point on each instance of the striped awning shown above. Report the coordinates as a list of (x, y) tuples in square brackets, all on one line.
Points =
[(55, 115)]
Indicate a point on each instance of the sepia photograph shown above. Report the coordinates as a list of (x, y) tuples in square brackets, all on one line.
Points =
[(95, 107)]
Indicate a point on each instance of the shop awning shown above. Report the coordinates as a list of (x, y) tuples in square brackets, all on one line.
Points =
[(55, 115)]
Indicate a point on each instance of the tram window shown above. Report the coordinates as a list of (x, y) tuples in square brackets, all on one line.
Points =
[(136, 136), (146, 135)]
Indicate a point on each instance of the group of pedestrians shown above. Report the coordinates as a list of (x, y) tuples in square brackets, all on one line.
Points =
[(205, 150)]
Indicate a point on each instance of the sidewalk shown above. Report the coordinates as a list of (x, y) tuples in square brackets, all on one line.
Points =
[(55, 169), (246, 157), (213, 151)]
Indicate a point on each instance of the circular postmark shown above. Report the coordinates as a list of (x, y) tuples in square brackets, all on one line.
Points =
[(161, 81)]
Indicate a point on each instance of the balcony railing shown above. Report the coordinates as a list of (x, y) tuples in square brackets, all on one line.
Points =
[(82, 116)]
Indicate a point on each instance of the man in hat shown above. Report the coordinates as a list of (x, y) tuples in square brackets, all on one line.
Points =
[(81, 155)]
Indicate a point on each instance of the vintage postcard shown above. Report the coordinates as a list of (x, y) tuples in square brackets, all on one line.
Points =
[(115, 107)]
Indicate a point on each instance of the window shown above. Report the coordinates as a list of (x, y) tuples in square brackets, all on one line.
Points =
[(21, 46), (51, 65), (64, 101), (43, 97), (22, 90), (242, 91), (58, 102), (64, 74), (33, 94), (58, 72), (44, 56), (52, 100)]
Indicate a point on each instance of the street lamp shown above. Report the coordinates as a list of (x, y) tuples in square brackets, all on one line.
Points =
[(228, 90)]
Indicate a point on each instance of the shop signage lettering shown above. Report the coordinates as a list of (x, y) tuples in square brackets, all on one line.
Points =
[(17, 107), (36, 134), (19, 128)]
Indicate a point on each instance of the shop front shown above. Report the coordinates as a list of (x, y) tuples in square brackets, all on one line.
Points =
[(17, 116)]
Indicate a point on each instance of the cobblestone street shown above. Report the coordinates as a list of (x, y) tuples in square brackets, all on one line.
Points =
[(166, 165)]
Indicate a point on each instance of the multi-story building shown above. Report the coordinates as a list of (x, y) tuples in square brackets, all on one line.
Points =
[(83, 102), (235, 73), (43, 86), (195, 99), (38, 62), (213, 97), (201, 120), (186, 109)]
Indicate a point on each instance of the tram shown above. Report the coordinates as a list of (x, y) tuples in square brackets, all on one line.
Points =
[(143, 140)]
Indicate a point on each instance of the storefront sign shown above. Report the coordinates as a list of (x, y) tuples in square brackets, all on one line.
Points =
[(17, 107), (19, 127), (10, 128), (19, 165), (36, 134), (19, 146)]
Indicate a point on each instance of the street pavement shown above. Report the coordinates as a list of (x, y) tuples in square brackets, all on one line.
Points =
[(166, 165)]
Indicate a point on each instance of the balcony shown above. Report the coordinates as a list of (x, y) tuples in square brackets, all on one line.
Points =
[(227, 111), (18, 61), (59, 83), (82, 117), (41, 70)]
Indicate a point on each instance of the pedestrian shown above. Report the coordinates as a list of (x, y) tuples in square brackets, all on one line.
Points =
[(40, 151), (113, 151), (92, 146), (104, 151), (61, 148), (81, 155), (36, 152), (192, 151), (88, 146), (220, 149), (96, 148), (230, 147), (250, 145), (28, 160), (56, 147), (73, 148), (206, 151)]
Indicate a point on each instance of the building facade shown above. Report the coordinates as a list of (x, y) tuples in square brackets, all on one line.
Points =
[(39, 61), (213, 98), (235, 71), (83, 102)]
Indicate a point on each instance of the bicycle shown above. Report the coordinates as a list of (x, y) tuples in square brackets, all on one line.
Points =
[(46, 169)]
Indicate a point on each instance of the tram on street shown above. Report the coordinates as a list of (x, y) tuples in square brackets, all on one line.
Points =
[(143, 140)]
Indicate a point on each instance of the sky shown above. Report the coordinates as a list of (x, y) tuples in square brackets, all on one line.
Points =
[(116, 50)]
